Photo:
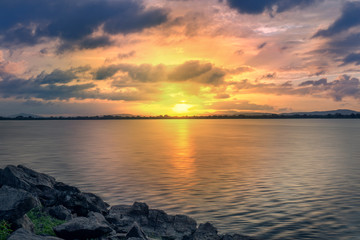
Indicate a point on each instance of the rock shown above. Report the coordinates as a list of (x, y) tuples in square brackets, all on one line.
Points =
[(23, 222), (24, 178), (139, 208), (65, 188), (15, 203), (136, 232), (49, 197), (236, 237), (206, 231), (184, 224), (122, 217), (22, 234), (83, 203), (120, 210), (82, 228), (60, 212)]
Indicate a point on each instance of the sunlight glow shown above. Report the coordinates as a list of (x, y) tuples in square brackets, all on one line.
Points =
[(181, 107)]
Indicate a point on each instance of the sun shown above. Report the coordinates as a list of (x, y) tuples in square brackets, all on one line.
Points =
[(182, 107)]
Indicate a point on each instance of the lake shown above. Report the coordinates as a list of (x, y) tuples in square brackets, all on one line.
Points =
[(273, 179)]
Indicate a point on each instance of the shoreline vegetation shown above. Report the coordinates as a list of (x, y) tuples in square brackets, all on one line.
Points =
[(35, 206), (262, 116)]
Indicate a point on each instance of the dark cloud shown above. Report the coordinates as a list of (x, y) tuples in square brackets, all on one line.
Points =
[(30, 89), (271, 6), (352, 58), (26, 89), (343, 86), (269, 75), (24, 22), (349, 18), (261, 46), (322, 81), (190, 69), (56, 76), (240, 105), (106, 72), (198, 72), (193, 71), (126, 55)]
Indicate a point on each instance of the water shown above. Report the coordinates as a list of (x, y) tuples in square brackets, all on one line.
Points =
[(274, 179)]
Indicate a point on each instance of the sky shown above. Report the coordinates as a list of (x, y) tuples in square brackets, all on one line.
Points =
[(178, 57)]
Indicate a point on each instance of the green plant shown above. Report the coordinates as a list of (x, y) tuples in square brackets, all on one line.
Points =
[(5, 230), (43, 222)]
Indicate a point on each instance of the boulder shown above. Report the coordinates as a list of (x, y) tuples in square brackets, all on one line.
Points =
[(206, 231), (15, 203), (159, 220), (22, 234), (236, 237), (139, 208), (184, 224), (65, 188), (23, 222), (82, 228), (136, 232), (60, 212), (21, 177), (83, 203)]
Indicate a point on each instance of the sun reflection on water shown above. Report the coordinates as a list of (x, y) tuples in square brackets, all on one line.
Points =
[(182, 159)]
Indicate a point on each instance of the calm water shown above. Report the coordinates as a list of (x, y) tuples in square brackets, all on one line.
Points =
[(275, 179)]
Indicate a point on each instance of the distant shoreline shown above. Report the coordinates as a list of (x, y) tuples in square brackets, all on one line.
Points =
[(270, 116)]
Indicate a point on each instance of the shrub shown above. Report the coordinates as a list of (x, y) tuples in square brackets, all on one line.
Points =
[(43, 222), (5, 230)]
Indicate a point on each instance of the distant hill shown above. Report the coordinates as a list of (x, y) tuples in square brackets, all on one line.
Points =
[(25, 115), (324, 113)]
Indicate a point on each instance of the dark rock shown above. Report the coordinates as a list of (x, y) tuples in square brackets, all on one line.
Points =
[(23, 222), (120, 210), (21, 177), (49, 197), (65, 188), (82, 228), (22, 234), (123, 216), (60, 212), (139, 208), (15, 203), (206, 231), (83, 203), (159, 219), (136, 232), (236, 237), (184, 224)]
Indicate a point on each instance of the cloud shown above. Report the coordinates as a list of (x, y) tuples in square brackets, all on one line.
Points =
[(56, 76), (343, 86), (126, 55), (322, 81), (349, 18), (271, 6), (28, 23), (352, 58), (26, 89), (197, 71), (262, 45), (192, 71), (240, 106)]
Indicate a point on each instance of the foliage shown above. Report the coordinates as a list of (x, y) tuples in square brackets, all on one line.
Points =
[(43, 222), (5, 230)]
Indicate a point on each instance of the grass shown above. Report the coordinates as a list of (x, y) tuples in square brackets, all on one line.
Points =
[(5, 230), (43, 222)]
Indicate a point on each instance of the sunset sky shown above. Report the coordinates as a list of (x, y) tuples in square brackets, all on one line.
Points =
[(178, 57)]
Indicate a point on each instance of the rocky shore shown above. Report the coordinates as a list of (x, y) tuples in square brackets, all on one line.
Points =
[(30, 201)]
